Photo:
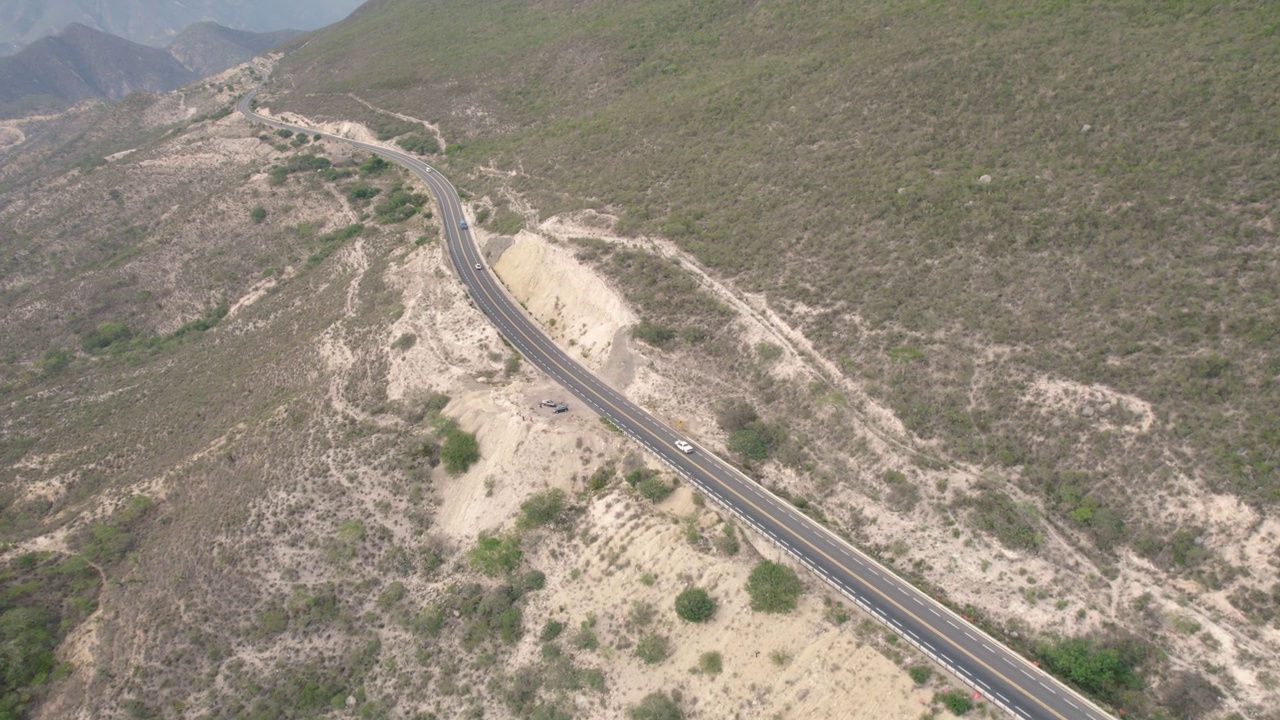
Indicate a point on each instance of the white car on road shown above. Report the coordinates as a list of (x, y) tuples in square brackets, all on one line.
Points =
[(684, 447)]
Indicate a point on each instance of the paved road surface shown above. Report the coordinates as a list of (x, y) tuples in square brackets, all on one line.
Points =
[(999, 675)]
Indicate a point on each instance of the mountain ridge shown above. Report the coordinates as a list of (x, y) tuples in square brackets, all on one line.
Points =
[(82, 63), (157, 22), (207, 48)]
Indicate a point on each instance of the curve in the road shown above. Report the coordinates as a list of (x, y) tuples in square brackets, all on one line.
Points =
[(996, 673)]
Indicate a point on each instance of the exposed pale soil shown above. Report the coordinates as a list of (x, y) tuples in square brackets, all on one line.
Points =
[(831, 668)]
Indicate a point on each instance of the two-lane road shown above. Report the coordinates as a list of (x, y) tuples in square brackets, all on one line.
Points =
[(999, 675)]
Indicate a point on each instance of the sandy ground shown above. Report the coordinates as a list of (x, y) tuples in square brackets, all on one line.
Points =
[(1091, 401), (831, 672)]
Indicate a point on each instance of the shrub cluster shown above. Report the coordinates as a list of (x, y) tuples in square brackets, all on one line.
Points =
[(459, 451), (695, 605), (495, 555), (542, 508), (774, 588)]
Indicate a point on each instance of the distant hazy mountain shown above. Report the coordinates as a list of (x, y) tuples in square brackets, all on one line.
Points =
[(84, 63), (157, 22), (207, 48), (81, 62)]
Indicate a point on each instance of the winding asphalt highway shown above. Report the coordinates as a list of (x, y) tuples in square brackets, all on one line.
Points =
[(996, 674)]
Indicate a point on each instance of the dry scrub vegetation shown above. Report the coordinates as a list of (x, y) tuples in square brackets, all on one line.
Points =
[(260, 458), (1013, 331), (997, 280)]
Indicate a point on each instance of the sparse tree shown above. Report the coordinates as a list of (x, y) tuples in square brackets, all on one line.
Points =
[(773, 588), (656, 706), (695, 605)]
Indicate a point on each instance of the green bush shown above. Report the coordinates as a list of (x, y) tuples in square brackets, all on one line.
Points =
[(531, 580), (398, 205), (768, 352), (542, 508), (727, 542), (486, 614), (634, 477), (273, 621), (756, 441), (392, 595), (108, 542), (335, 174), (1015, 525), (957, 701), (359, 194), (419, 144), (331, 241), (601, 477), (551, 630), (104, 335), (459, 451), (656, 706), (207, 321), (42, 598), (310, 608), (297, 164), (258, 214), (373, 166), (54, 361), (903, 495), (1184, 549), (507, 222), (428, 622), (653, 648), (654, 488), (774, 588), (387, 127), (655, 335), (585, 638), (1104, 669), (495, 555), (711, 663), (695, 605), (920, 673), (906, 354)]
